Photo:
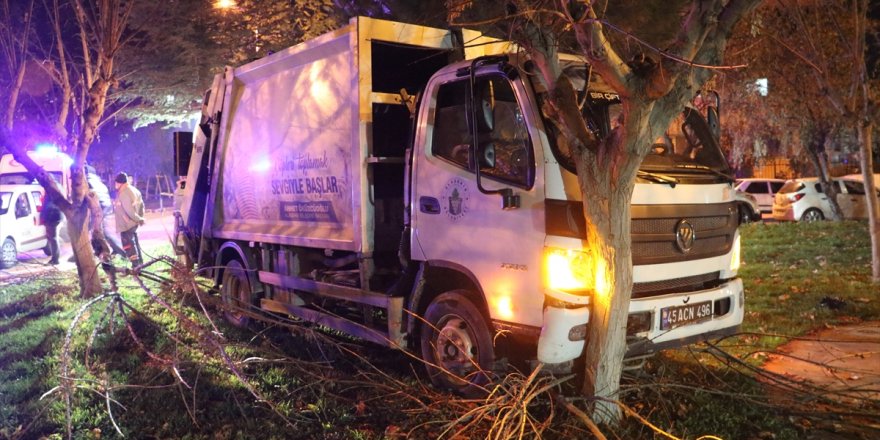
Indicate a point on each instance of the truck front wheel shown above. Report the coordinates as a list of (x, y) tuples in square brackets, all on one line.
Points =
[(236, 293), (456, 344)]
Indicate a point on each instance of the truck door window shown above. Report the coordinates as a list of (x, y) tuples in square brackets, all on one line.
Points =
[(514, 161)]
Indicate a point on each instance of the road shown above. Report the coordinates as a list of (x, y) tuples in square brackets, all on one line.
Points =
[(158, 229)]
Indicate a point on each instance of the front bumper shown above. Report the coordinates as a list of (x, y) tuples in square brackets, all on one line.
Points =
[(728, 303), (560, 342), (783, 214)]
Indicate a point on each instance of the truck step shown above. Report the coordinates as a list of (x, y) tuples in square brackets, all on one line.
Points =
[(392, 338), (336, 291)]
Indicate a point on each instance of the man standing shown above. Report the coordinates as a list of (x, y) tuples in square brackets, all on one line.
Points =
[(103, 194), (129, 211), (50, 215)]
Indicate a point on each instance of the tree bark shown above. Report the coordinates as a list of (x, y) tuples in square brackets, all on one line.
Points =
[(820, 161), (606, 181), (606, 208), (14, 92), (865, 132), (80, 240)]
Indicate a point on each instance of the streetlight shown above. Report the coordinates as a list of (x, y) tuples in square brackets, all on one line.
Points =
[(224, 4)]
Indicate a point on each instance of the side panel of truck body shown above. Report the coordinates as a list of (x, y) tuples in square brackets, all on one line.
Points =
[(288, 154)]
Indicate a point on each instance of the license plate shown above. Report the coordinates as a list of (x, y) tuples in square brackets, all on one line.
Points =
[(672, 317)]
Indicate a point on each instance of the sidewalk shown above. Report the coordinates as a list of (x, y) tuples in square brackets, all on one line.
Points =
[(158, 229)]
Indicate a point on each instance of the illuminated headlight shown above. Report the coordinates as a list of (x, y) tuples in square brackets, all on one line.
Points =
[(735, 255), (567, 270)]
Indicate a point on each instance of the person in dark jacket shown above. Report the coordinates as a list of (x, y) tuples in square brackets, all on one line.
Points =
[(129, 211), (50, 216)]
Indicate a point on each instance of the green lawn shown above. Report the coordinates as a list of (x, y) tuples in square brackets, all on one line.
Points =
[(170, 379)]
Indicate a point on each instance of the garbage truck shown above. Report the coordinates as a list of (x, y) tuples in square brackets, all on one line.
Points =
[(338, 182)]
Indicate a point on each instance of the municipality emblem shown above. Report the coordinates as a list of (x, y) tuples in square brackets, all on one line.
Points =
[(455, 198)]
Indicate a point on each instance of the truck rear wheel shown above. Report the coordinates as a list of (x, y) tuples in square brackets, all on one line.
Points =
[(456, 344), (236, 293)]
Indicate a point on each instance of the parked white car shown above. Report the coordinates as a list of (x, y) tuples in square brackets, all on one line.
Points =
[(764, 190), (20, 226), (805, 200)]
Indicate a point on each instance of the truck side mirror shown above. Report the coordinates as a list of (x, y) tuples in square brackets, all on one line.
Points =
[(487, 155), (486, 108), (714, 122), (485, 152)]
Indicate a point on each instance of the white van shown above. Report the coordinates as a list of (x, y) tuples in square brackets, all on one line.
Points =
[(57, 164), (20, 226)]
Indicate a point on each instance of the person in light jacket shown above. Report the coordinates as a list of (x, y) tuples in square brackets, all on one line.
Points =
[(129, 211)]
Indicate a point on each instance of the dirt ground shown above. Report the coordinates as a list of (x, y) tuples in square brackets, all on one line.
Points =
[(836, 371)]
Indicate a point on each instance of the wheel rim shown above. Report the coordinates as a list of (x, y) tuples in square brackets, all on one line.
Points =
[(455, 347), (812, 216), (234, 298), (7, 253)]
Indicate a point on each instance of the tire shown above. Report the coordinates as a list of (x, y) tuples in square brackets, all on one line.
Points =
[(744, 215), (456, 344), (8, 254), (812, 215), (236, 293)]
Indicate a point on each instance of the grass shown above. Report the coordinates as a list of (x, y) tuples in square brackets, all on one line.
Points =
[(314, 385), (804, 276)]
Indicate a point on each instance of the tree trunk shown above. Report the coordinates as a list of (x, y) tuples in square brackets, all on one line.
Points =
[(865, 137), (609, 246), (820, 161), (606, 197), (78, 221), (14, 92)]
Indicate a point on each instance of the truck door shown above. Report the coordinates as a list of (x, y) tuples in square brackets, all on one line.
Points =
[(453, 222)]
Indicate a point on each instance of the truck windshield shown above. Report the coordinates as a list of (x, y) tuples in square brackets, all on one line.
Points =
[(687, 148)]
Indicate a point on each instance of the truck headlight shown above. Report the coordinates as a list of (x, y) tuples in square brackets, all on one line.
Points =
[(568, 270), (735, 255)]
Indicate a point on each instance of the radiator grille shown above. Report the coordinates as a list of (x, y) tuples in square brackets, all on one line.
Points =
[(685, 284), (667, 225)]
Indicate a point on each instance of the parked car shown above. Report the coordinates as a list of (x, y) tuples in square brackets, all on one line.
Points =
[(858, 177), (805, 200), (21, 229), (747, 207), (764, 190)]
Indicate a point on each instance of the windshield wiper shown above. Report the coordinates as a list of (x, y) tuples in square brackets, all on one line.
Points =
[(658, 178), (727, 177)]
